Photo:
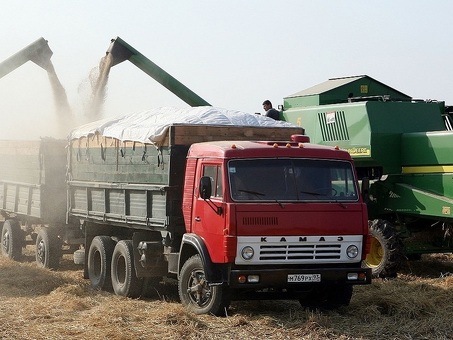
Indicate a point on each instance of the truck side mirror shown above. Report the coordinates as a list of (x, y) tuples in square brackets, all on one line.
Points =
[(205, 187)]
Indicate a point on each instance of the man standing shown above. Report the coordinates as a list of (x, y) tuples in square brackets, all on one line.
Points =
[(270, 111)]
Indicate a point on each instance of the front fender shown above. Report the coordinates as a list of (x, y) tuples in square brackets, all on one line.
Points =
[(193, 244)]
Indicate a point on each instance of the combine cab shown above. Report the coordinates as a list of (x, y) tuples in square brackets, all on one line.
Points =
[(402, 151)]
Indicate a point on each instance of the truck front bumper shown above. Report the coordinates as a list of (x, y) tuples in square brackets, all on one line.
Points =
[(297, 278)]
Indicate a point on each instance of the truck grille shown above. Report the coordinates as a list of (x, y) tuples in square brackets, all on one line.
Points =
[(300, 252), (291, 249), (260, 220)]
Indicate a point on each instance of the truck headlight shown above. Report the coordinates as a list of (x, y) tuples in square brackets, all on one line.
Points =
[(247, 253), (352, 251)]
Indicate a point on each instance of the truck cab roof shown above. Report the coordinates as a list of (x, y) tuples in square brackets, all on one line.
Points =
[(245, 149)]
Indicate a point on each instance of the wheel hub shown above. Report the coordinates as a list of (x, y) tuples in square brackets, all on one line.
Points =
[(198, 289), (40, 251), (376, 254), (6, 241)]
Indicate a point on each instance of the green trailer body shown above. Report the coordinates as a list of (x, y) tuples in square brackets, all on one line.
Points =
[(402, 145), (32, 179)]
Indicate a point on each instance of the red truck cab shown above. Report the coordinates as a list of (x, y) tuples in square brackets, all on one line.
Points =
[(271, 220)]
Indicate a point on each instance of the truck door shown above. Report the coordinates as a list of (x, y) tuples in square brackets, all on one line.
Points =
[(208, 223)]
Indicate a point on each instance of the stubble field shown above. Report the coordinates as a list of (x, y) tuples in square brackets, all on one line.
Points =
[(41, 304)]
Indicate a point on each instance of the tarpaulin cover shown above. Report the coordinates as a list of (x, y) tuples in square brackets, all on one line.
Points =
[(152, 125)]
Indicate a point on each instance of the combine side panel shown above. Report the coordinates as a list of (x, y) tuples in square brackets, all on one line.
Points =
[(370, 131)]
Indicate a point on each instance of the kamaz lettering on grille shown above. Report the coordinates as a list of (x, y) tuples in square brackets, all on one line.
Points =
[(298, 249)]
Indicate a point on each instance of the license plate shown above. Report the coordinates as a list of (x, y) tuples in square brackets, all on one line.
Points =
[(294, 278)]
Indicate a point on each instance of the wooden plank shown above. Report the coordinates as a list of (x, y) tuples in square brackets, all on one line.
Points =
[(190, 134)]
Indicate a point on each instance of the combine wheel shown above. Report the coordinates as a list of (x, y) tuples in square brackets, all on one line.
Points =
[(99, 262), (386, 253), (48, 249), (11, 240), (195, 292), (124, 280)]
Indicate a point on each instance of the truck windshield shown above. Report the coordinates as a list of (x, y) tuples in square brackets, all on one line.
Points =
[(291, 180)]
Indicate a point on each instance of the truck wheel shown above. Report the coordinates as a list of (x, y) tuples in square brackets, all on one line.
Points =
[(386, 253), (195, 292), (48, 249), (124, 280), (99, 262), (12, 240)]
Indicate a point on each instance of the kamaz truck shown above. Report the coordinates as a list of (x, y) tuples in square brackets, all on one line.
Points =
[(230, 211), (402, 152)]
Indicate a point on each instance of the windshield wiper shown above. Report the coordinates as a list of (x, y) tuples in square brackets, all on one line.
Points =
[(252, 192), (312, 193)]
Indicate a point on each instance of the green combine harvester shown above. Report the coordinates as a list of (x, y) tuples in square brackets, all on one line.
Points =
[(402, 149)]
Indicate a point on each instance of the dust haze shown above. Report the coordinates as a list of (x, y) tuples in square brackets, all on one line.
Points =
[(40, 106)]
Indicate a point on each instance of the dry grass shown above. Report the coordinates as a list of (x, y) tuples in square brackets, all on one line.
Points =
[(42, 304)]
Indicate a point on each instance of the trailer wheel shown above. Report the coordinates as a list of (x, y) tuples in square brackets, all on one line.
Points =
[(386, 252), (124, 280), (48, 249), (12, 240), (195, 292), (328, 297), (99, 262)]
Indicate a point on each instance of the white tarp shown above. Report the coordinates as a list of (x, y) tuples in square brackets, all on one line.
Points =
[(152, 125)]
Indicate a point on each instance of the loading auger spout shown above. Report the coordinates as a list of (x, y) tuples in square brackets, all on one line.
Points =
[(38, 52), (120, 51)]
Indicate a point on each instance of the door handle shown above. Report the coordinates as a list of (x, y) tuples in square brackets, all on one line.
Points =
[(197, 219)]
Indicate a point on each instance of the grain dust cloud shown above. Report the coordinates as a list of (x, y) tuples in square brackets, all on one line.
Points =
[(65, 119), (28, 117), (94, 90)]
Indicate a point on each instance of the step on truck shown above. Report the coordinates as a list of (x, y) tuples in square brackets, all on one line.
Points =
[(230, 212)]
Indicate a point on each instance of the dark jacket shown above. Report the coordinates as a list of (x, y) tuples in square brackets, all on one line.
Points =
[(273, 113)]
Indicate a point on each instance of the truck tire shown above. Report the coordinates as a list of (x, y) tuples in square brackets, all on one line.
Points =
[(12, 240), (386, 252), (48, 249), (124, 280), (99, 262), (329, 297), (195, 292)]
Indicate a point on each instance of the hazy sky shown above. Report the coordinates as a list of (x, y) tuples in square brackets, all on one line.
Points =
[(234, 54)]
